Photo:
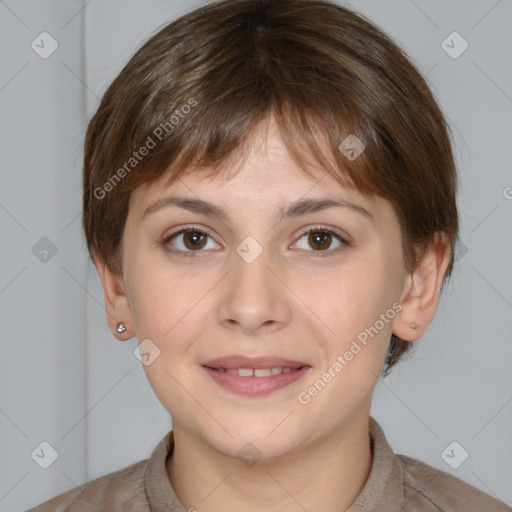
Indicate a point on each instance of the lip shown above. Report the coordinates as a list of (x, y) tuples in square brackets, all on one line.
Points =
[(254, 386)]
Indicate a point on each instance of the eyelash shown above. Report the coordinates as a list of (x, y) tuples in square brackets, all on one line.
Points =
[(317, 229)]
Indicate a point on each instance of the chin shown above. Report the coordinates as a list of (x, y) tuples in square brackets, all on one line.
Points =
[(263, 440)]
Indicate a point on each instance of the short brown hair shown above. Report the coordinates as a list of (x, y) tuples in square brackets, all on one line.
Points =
[(195, 91)]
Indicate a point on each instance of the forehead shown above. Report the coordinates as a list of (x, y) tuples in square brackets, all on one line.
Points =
[(261, 169)]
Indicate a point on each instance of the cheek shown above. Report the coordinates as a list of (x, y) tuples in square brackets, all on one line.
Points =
[(352, 299), (162, 295), (357, 307), (353, 347)]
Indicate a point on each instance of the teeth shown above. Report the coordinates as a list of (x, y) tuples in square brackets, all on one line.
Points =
[(262, 372), (258, 372)]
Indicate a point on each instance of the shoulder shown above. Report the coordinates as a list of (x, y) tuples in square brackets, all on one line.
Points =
[(428, 488), (122, 490)]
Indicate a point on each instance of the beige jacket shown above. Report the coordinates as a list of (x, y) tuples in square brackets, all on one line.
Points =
[(395, 484)]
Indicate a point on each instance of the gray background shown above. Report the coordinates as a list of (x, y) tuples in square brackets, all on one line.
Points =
[(64, 377)]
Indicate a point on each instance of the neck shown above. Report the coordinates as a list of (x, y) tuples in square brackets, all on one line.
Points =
[(325, 475)]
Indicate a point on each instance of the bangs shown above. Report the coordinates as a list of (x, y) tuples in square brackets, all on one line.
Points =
[(213, 140)]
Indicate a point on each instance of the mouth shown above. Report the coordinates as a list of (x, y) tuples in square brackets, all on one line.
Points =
[(254, 376), (256, 372)]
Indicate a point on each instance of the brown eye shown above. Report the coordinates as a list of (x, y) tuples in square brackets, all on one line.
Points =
[(194, 240), (188, 242), (320, 240)]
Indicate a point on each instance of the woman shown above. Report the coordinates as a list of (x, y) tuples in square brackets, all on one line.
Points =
[(270, 202)]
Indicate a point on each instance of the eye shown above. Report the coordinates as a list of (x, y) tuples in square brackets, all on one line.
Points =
[(321, 239), (189, 241)]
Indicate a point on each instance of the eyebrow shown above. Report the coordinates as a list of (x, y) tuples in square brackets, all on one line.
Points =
[(299, 207)]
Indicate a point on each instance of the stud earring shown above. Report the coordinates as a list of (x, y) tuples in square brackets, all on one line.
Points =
[(412, 325), (120, 327)]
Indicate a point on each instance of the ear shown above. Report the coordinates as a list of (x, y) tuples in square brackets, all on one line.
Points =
[(117, 305), (420, 296)]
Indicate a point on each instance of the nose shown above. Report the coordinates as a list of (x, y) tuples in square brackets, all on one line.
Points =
[(254, 298)]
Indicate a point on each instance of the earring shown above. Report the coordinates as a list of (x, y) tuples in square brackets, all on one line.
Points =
[(412, 325), (120, 327)]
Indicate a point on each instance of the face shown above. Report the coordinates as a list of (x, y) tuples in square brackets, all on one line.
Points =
[(250, 283)]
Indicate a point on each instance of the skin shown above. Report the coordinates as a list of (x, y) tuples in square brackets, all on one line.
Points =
[(288, 303)]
